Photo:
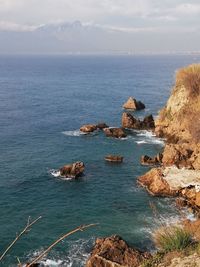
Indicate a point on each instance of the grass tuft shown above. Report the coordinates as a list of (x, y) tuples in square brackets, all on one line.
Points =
[(172, 238), (190, 78)]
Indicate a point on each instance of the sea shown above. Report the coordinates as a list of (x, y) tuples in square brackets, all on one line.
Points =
[(43, 102)]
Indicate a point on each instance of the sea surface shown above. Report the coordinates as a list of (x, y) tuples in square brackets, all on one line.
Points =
[(43, 102)]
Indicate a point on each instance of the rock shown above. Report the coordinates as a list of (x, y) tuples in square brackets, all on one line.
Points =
[(130, 122), (178, 155), (179, 119), (88, 128), (114, 252), (181, 202), (148, 122), (146, 160), (155, 183), (102, 125), (115, 132), (133, 104), (114, 158), (73, 170)]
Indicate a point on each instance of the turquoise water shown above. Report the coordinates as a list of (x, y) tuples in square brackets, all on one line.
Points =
[(44, 101)]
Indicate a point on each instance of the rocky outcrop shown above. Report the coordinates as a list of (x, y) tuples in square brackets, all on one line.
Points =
[(180, 117), (146, 160), (73, 170), (130, 122), (156, 184), (115, 132), (88, 128), (133, 104), (114, 158), (114, 252), (102, 125)]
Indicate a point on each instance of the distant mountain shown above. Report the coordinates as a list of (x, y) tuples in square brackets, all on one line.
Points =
[(64, 38)]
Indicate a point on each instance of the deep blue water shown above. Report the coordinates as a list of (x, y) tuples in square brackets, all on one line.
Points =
[(42, 97)]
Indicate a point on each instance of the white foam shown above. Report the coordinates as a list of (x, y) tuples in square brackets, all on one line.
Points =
[(56, 173), (73, 133), (149, 138)]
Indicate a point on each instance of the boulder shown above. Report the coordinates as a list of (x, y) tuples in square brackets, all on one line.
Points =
[(115, 132), (130, 122), (114, 158), (133, 104), (114, 252), (156, 184), (73, 170), (102, 125), (146, 160), (88, 128)]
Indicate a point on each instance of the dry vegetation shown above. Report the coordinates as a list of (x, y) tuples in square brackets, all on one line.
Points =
[(190, 78)]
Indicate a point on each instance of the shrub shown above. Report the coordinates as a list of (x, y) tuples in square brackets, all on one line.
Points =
[(172, 238), (190, 78)]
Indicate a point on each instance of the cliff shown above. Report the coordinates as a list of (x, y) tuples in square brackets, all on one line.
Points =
[(179, 120)]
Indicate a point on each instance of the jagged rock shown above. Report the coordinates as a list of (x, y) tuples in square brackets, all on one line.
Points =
[(133, 104), (181, 202), (155, 183), (130, 122), (146, 160), (88, 128), (114, 132), (102, 125), (73, 170), (177, 154), (114, 158), (114, 252)]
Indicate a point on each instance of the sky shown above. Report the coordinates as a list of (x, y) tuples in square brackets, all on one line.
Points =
[(131, 16)]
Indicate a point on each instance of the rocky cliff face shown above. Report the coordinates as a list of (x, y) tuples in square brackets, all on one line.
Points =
[(179, 120)]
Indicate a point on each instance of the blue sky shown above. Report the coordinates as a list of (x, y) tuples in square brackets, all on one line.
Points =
[(126, 15)]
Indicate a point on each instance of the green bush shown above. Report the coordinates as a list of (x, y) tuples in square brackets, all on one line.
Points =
[(172, 238)]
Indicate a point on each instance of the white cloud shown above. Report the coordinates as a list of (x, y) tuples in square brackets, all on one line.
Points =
[(126, 12)]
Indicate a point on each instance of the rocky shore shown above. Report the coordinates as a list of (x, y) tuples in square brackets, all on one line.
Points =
[(177, 173)]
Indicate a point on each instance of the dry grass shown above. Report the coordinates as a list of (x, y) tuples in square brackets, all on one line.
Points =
[(190, 78), (172, 238)]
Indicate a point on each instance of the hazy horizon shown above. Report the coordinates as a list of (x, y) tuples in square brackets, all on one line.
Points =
[(106, 27)]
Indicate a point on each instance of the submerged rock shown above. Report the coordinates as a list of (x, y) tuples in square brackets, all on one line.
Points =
[(114, 158), (130, 122), (114, 252), (88, 128), (133, 104), (73, 170), (115, 132)]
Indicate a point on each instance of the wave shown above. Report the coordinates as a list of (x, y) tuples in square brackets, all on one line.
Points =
[(76, 256), (149, 138), (73, 133), (56, 173)]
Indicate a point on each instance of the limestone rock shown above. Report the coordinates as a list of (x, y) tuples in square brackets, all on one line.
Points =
[(114, 252), (133, 104), (130, 122), (114, 158), (88, 128), (115, 132), (155, 183), (73, 170)]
